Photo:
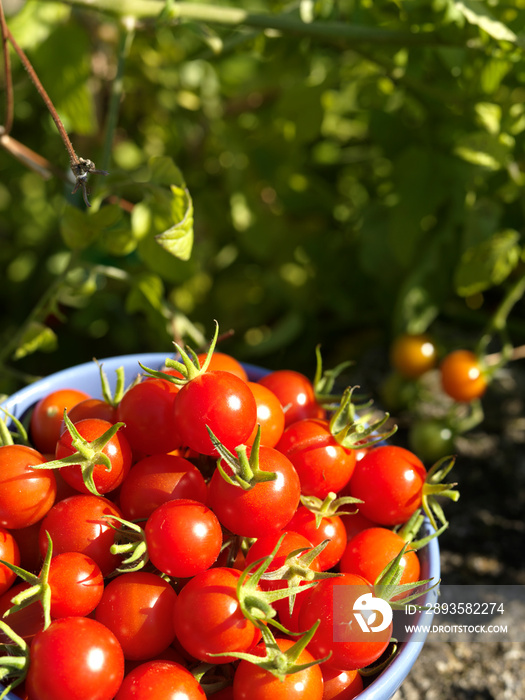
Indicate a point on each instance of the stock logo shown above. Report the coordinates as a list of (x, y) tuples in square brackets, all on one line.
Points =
[(366, 608)]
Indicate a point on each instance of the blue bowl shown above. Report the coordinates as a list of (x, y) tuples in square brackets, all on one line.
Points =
[(86, 377)]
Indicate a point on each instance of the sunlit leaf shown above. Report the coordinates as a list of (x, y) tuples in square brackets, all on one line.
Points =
[(486, 150), (477, 13), (78, 229), (178, 239), (38, 337), (488, 264)]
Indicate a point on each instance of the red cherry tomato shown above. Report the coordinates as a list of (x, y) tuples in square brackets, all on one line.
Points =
[(341, 685), (296, 394), (225, 363), (330, 528), (389, 480), (266, 507), (138, 608), (251, 682), (157, 679), (79, 524), (117, 450), (208, 618), (156, 479), (26, 494), (184, 537), (92, 408), (462, 376), (371, 550), (10, 552), (46, 419), (146, 409), (75, 658), (76, 584), (412, 355), (322, 463), (219, 401), (270, 416)]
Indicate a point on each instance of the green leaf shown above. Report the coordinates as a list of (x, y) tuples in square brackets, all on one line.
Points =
[(163, 171), (67, 80), (146, 293), (116, 233), (486, 150), (488, 264), (36, 337), (476, 12), (77, 228), (178, 239)]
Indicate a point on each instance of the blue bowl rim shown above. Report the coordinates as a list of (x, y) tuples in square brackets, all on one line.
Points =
[(386, 683)]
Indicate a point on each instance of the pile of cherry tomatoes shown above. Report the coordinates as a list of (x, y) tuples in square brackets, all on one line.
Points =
[(191, 534)]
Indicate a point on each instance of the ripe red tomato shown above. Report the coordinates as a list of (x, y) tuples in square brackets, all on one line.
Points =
[(251, 682), (46, 419), (76, 584), (75, 658), (156, 479), (146, 409), (217, 400), (77, 524), (296, 394), (183, 537), (138, 608), (462, 376), (270, 416), (208, 618), (371, 550), (224, 362), (389, 480), (26, 494), (268, 506), (413, 354), (153, 680), (117, 450), (92, 408), (352, 648), (341, 685), (330, 528), (10, 552), (322, 463)]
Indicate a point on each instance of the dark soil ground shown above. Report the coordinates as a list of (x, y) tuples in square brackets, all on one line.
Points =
[(485, 544)]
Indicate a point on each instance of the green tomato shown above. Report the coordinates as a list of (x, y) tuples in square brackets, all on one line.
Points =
[(431, 439)]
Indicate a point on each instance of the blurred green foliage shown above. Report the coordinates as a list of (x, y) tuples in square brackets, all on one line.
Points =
[(299, 189)]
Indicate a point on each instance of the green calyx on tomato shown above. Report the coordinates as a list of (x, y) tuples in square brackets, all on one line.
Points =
[(15, 661), (87, 454), (246, 472), (330, 506), (112, 398), (39, 589), (434, 487), (356, 432), (7, 437), (189, 368), (281, 663), (256, 605), (130, 543), (324, 381)]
